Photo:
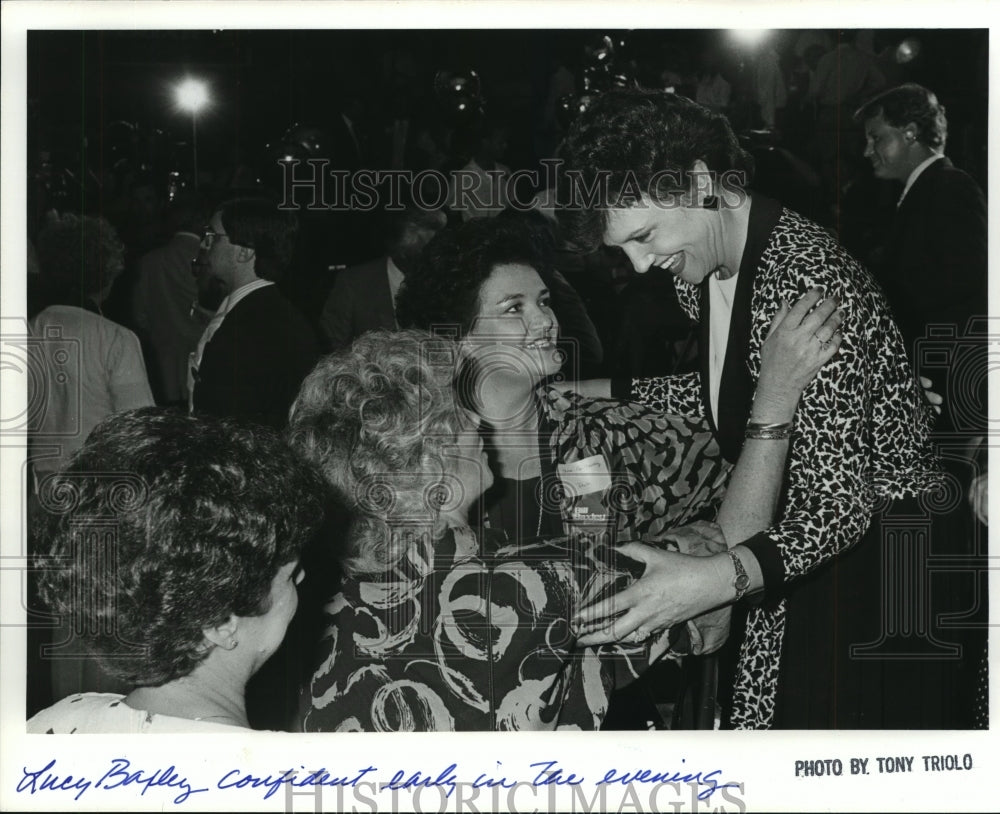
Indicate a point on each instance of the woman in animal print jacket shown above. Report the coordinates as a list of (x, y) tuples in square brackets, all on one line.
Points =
[(672, 180)]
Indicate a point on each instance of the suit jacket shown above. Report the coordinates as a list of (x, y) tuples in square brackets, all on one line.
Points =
[(255, 362), (934, 265), (360, 301)]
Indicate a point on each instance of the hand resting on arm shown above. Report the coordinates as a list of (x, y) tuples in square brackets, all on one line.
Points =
[(675, 586)]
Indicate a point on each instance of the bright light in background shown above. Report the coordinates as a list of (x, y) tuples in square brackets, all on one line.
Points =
[(908, 50), (192, 95), (749, 36)]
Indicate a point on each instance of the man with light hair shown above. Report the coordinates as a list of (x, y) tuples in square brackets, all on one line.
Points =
[(933, 265)]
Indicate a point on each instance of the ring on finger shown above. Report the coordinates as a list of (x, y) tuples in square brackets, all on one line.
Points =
[(639, 634)]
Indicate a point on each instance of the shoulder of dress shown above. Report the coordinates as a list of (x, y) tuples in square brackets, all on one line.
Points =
[(799, 245)]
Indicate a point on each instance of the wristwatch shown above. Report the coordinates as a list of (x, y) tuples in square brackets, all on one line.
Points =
[(741, 582)]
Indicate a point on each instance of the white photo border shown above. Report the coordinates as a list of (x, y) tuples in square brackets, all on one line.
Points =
[(763, 762)]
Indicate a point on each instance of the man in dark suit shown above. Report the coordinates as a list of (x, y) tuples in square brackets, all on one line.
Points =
[(933, 266), (934, 271), (258, 347), (363, 297)]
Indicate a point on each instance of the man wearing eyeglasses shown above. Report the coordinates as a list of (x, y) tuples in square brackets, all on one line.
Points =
[(258, 347)]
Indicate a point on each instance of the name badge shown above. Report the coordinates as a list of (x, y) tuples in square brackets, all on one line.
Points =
[(584, 484)]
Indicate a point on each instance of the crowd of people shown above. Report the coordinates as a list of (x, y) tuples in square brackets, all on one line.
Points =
[(436, 468)]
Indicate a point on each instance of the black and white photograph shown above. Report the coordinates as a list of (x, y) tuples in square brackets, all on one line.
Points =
[(606, 387)]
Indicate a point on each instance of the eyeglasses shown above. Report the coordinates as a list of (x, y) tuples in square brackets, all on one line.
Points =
[(208, 237)]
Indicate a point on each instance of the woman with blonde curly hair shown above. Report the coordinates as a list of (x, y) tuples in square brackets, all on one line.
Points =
[(438, 626)]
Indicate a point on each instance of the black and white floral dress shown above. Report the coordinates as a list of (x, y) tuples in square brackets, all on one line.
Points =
[(468, 633)]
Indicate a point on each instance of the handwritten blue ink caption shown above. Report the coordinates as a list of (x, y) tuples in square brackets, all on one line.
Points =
[(543, 774), (120, 775)]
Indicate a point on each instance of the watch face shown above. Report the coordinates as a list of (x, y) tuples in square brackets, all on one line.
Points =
[(742, 582)]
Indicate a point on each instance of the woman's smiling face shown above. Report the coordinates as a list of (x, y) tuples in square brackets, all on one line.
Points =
[(671, 235), (515, 311)]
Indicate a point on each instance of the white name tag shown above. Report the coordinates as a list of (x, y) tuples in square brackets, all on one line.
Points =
[(584, 484), (585, 476)]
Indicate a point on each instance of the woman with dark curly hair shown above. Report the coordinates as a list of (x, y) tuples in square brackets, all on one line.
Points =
[(86, 366), (665, 180), (486, 283), (644, 471), (439, 627), (172, 544)]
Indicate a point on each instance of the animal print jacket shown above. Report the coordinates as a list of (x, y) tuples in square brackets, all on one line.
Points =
[(861, 432)]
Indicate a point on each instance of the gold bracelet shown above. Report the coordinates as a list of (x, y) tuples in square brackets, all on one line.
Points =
[(768, 432)]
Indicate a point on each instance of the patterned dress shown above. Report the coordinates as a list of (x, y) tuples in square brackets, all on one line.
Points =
[(861, 428), (469, 634)]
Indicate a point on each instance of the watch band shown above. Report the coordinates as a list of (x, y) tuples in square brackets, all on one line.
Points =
[(741, 582)]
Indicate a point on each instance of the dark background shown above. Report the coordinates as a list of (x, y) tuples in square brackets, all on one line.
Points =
[(80, 82), (106, 137)]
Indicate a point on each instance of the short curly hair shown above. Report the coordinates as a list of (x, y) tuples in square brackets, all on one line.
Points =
[(908, 103), (443, 290), (79, 256), (639, 142), (164, 524), (375, 418)]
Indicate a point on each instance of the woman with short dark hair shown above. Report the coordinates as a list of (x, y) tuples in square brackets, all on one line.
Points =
[(670, 188), (171, 543)]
